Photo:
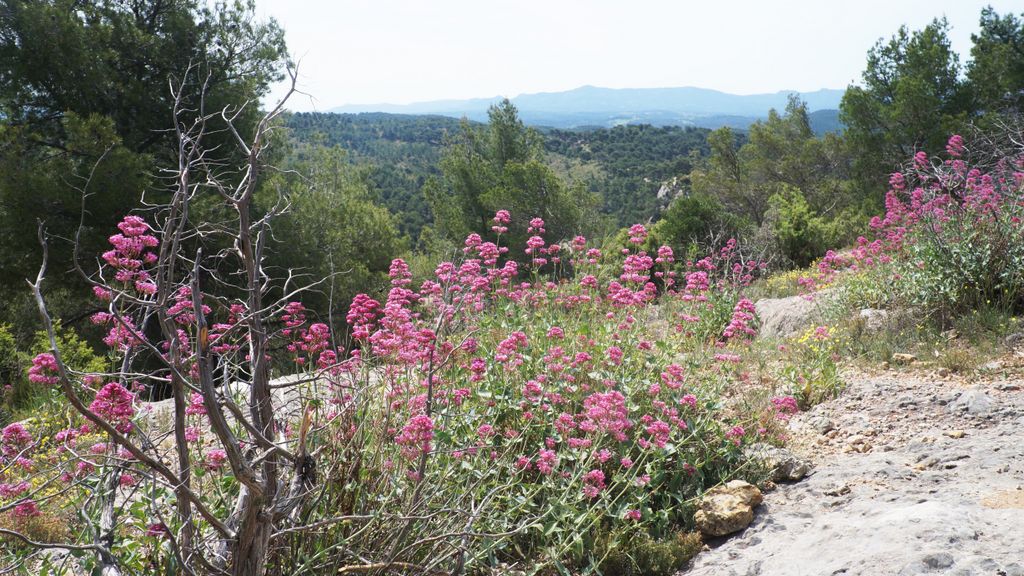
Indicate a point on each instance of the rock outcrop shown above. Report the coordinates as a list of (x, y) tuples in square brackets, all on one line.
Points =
[(783, 465), (783, 317), (914, 474)]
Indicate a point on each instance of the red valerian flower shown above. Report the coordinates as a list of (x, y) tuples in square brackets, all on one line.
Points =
[(44, 369), (115, 404)]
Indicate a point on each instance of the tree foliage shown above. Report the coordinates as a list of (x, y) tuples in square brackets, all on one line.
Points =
[(333, 229), (629, 164), (501, 167), (801, 234), (396, 152), (912, 97), (996, 70), (85, 98), (696, 219), (781, 171)]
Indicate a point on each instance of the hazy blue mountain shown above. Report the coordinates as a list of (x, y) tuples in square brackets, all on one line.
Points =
[(593, 106)]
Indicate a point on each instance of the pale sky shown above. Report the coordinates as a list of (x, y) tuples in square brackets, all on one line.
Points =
[(402, 51)]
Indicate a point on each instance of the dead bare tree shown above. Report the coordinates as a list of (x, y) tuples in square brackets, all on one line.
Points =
[(275, 475)]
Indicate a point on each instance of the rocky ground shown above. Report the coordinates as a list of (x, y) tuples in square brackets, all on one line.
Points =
[(915, 472)]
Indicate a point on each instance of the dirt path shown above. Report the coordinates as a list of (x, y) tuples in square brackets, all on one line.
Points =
[(915, 474)]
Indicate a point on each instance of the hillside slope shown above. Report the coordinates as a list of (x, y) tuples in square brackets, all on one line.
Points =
[(625, 165)]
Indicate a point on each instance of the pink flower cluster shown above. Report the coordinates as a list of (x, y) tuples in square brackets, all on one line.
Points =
[(183, 311), (196, 407), (637, 234), (416, 436), (219, 344), (44, 369), (736, 434), (115, 404), (362, 314), (14, 440), (741, 324), (501, 221), (606, 412), (122, 335), (215, 459), (785, 407), (131, 253), (593, 483)]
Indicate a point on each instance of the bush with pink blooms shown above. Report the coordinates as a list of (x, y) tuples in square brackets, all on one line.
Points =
[(951, 238), (27, 376), (539, 415), (558, 410)]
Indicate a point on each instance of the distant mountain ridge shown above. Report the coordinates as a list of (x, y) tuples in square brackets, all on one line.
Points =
[(594, 106)]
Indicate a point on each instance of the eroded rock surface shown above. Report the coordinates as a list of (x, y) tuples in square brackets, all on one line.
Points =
[(782, 317), (940, 491), (784, 466)]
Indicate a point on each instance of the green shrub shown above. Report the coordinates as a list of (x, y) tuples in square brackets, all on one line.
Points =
[(26, 396), (812, 373), (75, 351), (801, 234), (644, 556), (12, 381), (695, 219)]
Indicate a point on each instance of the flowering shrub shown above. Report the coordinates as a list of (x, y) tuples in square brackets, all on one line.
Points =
[(557, 410), (951, 238), (492, 413), (959, 232)]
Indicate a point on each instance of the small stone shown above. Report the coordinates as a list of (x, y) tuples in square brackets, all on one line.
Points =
[(1014, 569), (727, 509), (1008, 387), (950, 334), (926, 463), (837, 490), (875, 320), (885, 365), (781, 317), (857, 444), (955, 434), (974, 402), (938, 560), (992, 366), (784, 465), (902, 358), (821, 423), (930, 564), (1014, 340), (943, 372), (55, 555)]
